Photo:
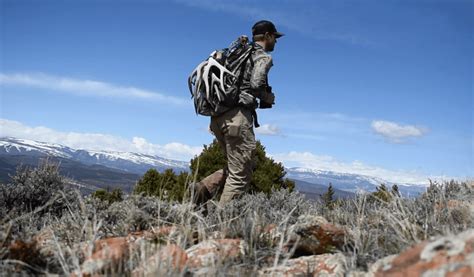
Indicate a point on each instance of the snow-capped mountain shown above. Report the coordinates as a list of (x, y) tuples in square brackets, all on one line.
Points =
[(126, 161), (348, 181), (13, 146), (126, 167)]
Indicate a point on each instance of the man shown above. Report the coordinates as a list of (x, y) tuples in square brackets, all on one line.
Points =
[(234, 128)]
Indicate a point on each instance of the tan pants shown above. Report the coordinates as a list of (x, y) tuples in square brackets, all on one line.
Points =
[(234, 132)]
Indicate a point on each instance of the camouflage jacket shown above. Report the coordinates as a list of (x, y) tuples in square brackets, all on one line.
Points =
[(255, 79)]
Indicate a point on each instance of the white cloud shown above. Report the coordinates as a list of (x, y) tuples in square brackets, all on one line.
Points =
[(328, 163), (95, 141), (320, 126), (268, 129), (395, 132), (85, 87)]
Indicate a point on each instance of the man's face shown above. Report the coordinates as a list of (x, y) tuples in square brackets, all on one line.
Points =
[(270, 41)]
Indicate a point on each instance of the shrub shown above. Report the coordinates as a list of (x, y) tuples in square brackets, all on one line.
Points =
[(164, 185), (116, 195), (376, 228), (41, 190), (381, 194), (384, 226), (212, 158), (267, 176), (328, 197)]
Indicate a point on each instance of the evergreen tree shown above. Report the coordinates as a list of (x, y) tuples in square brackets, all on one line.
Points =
[(115, 195), (178, 191), (165, 185), (328, 197), (382, 194), (267, 175), (212, 158)]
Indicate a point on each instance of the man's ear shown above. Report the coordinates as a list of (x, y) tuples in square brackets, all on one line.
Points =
[(268, 35)]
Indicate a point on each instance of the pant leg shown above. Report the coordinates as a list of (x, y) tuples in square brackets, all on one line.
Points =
[(217, 128), (234, 131)]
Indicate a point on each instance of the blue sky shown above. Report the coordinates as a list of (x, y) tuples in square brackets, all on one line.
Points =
[(381, 88)]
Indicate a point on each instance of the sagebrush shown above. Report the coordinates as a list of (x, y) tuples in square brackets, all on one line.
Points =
[(39, 200)]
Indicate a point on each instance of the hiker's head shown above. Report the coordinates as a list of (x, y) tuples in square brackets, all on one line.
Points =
[(265, 34)]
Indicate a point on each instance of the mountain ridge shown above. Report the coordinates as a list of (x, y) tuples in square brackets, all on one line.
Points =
[(126, 161), (137, 164)]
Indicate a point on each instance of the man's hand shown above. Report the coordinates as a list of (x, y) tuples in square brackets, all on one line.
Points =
[(268, 99)]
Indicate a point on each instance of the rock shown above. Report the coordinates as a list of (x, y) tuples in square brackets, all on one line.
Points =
[(381, 263), (211, 252), (26, 252), (108, 255), (357, 273), (161, 234), (446, 256), (35, 251), (316, 236), (270, 234), (170, 259), (164, 231), (315, 265)]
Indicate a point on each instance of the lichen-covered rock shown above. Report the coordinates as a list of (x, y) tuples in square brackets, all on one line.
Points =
[(110, 254), (383, 263), (316, 236), (35, 251), (169, 259), (445, 256), (26, 252), (315, 265), (212, 252)]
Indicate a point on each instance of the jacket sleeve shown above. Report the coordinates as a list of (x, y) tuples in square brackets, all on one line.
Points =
[(258, 78)]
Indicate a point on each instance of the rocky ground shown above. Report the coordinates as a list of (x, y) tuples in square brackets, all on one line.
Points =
[(313, 242), (47, 229)]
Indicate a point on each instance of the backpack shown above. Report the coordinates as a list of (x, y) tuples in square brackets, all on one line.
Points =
[(215, 83)]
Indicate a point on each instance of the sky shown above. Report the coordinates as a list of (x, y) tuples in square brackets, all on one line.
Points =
[(379, 88)]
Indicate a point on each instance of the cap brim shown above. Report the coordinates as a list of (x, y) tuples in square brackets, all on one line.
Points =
[(278, 34)]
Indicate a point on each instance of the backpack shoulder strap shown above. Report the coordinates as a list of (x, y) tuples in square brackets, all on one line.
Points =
[(244, 65)]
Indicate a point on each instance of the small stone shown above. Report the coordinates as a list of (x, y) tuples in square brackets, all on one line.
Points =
[(315, 265), (316, 236), (211, 252), (170, 259)]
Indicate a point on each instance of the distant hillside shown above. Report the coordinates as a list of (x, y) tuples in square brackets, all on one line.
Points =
[(87, 177), (349, 182), (314, 191), (101, 169)]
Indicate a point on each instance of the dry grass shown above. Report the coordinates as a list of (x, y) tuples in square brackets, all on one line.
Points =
[(39, 202)]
